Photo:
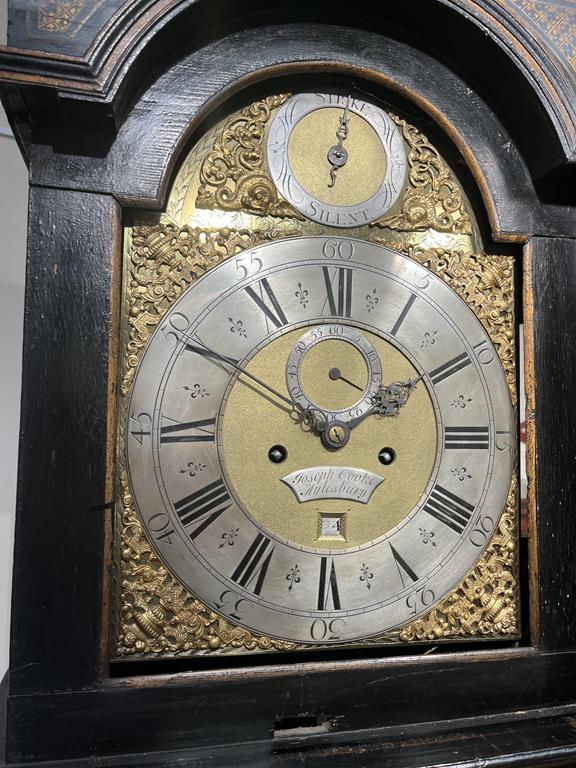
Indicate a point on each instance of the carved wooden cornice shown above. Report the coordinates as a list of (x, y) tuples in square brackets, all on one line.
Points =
[(118, 56)]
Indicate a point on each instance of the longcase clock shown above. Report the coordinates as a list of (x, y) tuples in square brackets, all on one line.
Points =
[(280, 274)]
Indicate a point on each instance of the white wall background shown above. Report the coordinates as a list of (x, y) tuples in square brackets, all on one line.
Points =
[(13, 205)]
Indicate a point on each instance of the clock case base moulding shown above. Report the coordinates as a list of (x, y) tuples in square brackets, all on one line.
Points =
[(155, 615)]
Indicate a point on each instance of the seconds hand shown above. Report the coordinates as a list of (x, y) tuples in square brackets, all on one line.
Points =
[(207, 352)]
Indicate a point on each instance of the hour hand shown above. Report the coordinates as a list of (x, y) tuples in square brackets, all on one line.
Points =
[(389, 399)]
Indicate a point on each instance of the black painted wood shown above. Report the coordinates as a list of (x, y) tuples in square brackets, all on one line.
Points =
[(553, 266), (57, 28), (137, 167), (58, 556), (547, 741), (349, 698), (527, 81)]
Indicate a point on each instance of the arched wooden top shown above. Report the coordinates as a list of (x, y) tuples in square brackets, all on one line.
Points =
[(136, 164), (486, 40)]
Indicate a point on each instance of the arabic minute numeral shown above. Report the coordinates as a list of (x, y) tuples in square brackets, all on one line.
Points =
[(420, 599), (140, 426), (173, 329), (327, 630), (481, 532), (484, 352), (229, 603), (160, 526), (338, 249), (248, 265)]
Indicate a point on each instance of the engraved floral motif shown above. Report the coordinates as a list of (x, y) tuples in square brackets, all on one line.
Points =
[(461, 474), (427, 537), (196, 391), (366, 575), (293, 577), (461, 401), (371, 300)]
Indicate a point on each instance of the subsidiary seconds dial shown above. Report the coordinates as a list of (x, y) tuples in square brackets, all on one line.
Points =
[(242, 495)]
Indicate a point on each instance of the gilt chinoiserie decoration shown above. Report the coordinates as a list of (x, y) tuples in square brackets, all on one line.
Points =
[(252, 194)]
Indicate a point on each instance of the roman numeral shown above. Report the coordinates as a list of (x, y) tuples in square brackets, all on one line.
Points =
[(274, 315), (449, 509), (203, 507), (466, 437), (254, 565), (402, 316), (403, 567), (456, 364), (341, 303), (328, 586), (202, 431)]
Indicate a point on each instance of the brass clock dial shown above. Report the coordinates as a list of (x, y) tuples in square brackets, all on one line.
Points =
[(296, 433), (337, 159)]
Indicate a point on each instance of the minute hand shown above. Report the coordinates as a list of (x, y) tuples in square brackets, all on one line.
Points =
[(207, 352)]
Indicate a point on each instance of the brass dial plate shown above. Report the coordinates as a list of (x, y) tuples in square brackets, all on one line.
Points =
[(249, 579)]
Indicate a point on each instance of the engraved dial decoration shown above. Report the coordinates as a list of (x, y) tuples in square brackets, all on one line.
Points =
[(297, 463), (338, 160)]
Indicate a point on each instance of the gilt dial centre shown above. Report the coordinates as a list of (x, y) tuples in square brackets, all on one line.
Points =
[(319, 477)]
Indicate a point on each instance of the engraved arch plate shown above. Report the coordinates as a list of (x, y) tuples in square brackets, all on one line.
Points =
[(342, 216)]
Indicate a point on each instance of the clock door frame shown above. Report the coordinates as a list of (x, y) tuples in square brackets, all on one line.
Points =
[(62, 701)]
